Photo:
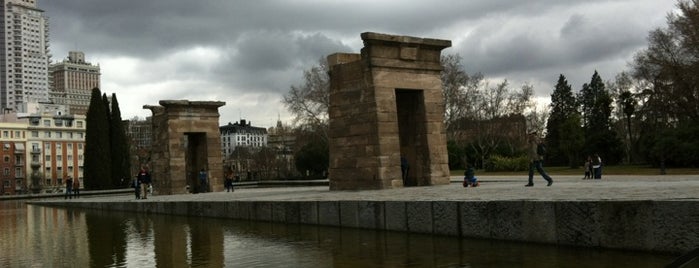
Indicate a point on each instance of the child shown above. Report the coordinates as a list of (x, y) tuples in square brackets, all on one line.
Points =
[(136, 184), (469, 177), (588, 168)]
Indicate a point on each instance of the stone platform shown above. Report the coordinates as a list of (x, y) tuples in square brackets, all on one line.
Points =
[(650, 213)]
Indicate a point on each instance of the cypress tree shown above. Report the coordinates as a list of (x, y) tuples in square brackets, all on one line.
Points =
[(121, 167), (564, 135), (596, 104), (97, 167)]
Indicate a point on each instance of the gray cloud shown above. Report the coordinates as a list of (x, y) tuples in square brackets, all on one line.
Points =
[(250, 52)]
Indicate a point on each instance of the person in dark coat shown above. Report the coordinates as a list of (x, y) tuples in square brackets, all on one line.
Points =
[(69, 188), (536, 159), (145, 180)]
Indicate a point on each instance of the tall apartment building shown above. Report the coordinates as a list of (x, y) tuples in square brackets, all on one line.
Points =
[(71, 82), (24, 55)]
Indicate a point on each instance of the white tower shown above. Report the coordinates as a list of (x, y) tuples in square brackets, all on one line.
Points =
[(24, 55)]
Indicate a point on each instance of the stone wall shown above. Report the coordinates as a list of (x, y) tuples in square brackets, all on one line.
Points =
[(656, 226), (384, 103)]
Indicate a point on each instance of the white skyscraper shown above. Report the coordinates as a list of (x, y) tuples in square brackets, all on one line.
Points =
[(24, 55)]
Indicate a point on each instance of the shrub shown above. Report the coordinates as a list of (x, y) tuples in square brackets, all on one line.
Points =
[(500, 163)]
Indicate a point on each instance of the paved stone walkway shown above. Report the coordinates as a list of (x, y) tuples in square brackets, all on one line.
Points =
[(492, 188)]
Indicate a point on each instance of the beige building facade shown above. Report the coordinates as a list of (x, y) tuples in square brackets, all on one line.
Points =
[(41, 149), (72, 81)]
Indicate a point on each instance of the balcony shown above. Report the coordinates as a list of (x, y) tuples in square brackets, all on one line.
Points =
[(35, 165)]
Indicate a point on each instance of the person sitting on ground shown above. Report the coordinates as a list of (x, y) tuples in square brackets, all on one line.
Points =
[(470, 178)]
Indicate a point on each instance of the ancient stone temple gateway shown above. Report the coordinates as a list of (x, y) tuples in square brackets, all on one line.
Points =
[(386, 103), (186, 139)]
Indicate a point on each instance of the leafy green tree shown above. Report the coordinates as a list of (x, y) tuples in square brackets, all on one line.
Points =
[(314, 158), (667, 72), (456, 154), (97, 163), (564, 137), (596, 104), (628, 107), (121, 166)]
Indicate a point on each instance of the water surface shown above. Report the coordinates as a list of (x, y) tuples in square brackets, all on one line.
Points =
[(37, 236)]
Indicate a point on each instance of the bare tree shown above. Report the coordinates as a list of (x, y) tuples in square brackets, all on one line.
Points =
[(460, 92), (309, 101)]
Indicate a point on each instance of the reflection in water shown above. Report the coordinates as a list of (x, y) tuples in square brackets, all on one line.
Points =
[(35, 236)]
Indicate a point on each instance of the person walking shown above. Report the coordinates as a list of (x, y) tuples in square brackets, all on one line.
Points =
[(145, 180), (228, 182), (536, 152), (69, 188), (76, 188)]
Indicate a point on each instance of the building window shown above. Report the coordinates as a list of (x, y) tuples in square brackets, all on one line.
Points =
[(35, 134), (79, 124), (6, 147), (6, 172), (47, 123), (18, 172), (47, 134), (7, 159), (48, 181), (59, 158), (5, 134), (48, 158)]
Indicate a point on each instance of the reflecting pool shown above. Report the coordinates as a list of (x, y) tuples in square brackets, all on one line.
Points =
[(36, 236)]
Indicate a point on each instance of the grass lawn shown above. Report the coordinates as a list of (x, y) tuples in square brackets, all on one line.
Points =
[(608, 170)]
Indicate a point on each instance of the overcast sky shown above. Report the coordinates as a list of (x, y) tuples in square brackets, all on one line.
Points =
[(248, 53)]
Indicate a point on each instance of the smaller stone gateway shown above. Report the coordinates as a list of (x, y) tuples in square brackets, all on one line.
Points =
[(186, 139), (386, 114)]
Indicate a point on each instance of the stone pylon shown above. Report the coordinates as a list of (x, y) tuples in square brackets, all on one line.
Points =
[(186, 139), (386, 104)]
